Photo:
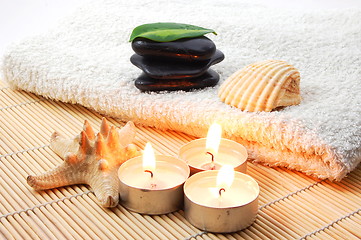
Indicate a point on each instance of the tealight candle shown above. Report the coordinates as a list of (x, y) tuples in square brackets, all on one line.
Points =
[(214, 205), (213, 152), (152, 184)]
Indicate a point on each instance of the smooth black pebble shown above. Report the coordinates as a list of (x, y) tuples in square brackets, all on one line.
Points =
[(208, 79), (166, 69), (192, 49)]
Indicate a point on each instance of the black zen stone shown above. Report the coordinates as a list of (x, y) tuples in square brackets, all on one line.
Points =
[(208, 79), (166, 69), (191, 49)]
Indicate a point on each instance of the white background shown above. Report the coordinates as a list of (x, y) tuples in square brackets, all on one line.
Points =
[(20, 18)]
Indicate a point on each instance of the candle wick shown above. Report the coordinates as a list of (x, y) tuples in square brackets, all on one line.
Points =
[(151, 173), (211, 155), (213, 167), (220, 191)]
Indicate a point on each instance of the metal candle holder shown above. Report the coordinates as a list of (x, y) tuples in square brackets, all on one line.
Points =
[(194, 153), (153, 201), (219, 219)]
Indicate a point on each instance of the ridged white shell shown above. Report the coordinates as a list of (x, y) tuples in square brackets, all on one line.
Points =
[(262, 86)]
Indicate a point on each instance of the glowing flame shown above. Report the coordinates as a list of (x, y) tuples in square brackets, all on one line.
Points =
[(225, 177), (224, 180), (148, 158), (213, 138)]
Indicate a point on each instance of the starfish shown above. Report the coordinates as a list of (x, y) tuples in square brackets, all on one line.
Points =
[(90, 159)]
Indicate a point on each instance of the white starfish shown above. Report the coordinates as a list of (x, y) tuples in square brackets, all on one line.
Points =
[(92, 160)]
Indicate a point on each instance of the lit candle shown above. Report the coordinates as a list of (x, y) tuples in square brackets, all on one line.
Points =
[(152, 184), (212, 144), (215, 202), (212, 152), (222, 193), (149, 166)]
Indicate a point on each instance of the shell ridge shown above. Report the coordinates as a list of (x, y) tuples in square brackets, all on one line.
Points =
[(229, 87), (280, 89), (237, 84), (262, 86), (265, 76), (269, 93), (241, 89)]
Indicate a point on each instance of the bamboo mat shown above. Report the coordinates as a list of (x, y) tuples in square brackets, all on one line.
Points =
[(291, 205)]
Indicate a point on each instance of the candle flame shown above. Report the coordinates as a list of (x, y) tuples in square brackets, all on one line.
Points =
[(214, 138), (224, 180), (148, 158), (225, 177)]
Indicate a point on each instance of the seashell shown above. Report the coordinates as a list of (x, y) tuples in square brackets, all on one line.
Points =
[(262, 86), (91, 159)]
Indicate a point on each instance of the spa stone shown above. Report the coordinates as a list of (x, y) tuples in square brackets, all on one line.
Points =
[(167, 69), (182, 64), (208, 79), (191, 49)]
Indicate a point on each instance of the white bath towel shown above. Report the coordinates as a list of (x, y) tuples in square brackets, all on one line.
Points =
[(85, 60)]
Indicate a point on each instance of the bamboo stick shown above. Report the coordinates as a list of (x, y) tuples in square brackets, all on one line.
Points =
[(160, 220), (180, 224), (5, 144), (14, 185), (20, 225), (9, 226), (179, 217), (50, 121), (9, 141), (22, 124), (274, 227), (256, 232), (353, 229), (59, 212), (243, 235), (274, 182), (337, 208), (140, 221), (117, 221), (159, 227), (20, 96), (349, 196), (127, 230), (250, 234), (99, 213), (4, 233), (174, 224), (286, 220), (95, 221), (37, 201), (74, 213), (5, 102)]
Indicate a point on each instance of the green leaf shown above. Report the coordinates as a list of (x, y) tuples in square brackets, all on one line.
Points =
[(167, 32)]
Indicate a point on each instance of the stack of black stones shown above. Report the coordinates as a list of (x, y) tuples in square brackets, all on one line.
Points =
[(182, 64)]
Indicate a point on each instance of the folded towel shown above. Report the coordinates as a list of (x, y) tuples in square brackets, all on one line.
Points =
[(85, 60)]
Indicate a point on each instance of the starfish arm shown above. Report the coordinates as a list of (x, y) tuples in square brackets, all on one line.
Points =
[(91, 159), (62, 146), (127, 133), (131, 151), (61, 176), (105, 184)]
